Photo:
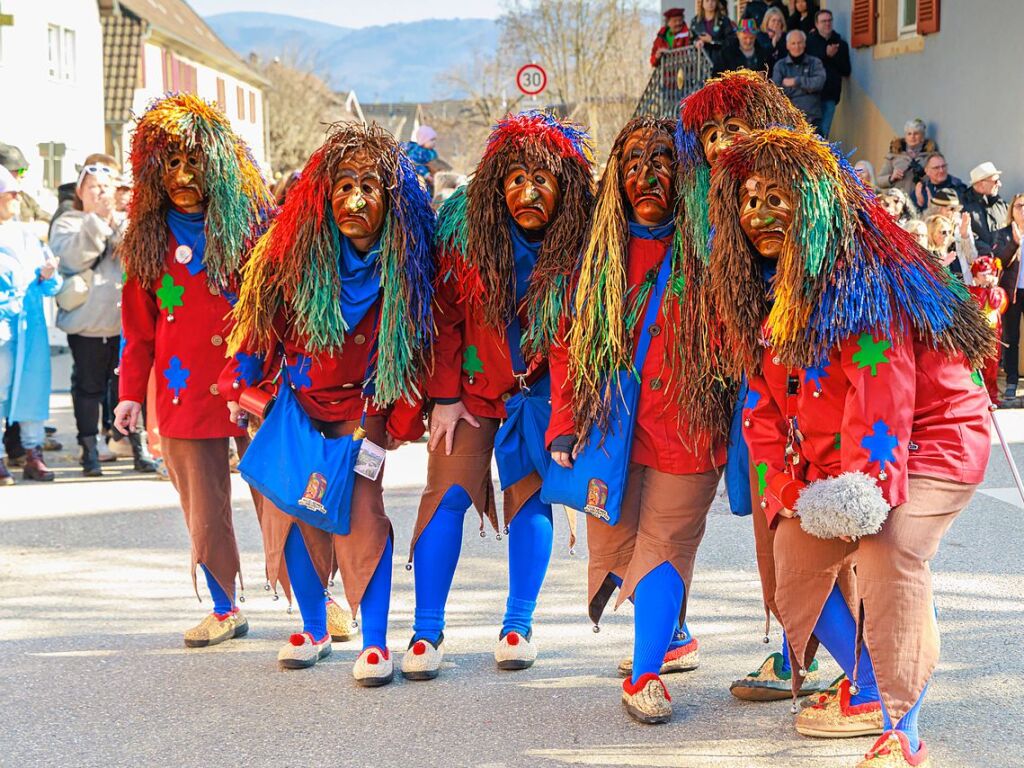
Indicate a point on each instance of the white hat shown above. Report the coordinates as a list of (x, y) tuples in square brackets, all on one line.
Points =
[(7, 182), (984, 171)]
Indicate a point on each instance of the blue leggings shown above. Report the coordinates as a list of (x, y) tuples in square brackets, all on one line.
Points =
[(658, 598), (222, 601), (376, 601), (837, 631), (908, 723), (530, 535), (437, 555), (682, 634), (306, 584)]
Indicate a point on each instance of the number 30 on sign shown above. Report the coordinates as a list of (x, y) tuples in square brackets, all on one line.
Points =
[(531, 79)]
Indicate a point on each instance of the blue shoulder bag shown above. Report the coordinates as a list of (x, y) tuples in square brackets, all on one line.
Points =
[(519, 445), (596, 483), (303, 473), (737, 465)]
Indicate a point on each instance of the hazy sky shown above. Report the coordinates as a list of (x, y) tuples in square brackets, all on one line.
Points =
[(358, 13)]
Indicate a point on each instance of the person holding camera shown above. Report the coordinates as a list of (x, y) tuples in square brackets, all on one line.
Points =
[(904, 165)]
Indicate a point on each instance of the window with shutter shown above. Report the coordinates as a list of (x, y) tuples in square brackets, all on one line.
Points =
[(927, 17), (863, 31), (222, 99)]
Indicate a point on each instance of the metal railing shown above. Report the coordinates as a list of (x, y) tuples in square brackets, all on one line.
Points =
[(679, 73)]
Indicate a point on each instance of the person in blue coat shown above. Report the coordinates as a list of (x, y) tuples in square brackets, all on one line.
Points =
[(28, 273)]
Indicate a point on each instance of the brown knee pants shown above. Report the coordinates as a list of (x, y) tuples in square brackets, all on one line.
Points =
[(357, 553), (201, 474), (894, 587), (469, 466), (662, 521)]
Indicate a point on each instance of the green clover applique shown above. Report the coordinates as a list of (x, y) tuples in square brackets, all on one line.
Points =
[(471, 362), (762, 473), (872, 352), (170, 295)]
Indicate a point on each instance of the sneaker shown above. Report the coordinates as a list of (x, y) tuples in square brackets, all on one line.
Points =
[(772, 682), (832, 716), (5, 474), (515, 651), (121, 449), (303, 651), (52, 444), (216, 628), (422, 661), (374, 667), (339, 623), (104, 453), (892, 750), (161, 470), (685, 658), (647, 700)]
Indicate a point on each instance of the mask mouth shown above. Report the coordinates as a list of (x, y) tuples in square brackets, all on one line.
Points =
[(533, 208)]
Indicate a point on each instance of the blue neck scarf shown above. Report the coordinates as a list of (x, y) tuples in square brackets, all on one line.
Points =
[(360, 278), (657, 232), (524, 255), (189, 229)]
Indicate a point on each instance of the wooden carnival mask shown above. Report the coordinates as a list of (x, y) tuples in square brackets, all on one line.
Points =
[(358, 200), (719, 132), (766, 213), (532, 195), (183, 178), (646, 175)]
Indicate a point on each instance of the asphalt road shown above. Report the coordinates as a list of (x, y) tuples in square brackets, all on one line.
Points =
[(94, 595)]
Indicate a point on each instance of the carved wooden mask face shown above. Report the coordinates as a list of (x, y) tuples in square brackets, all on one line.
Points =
[(766, 214), (532, 194), (358, 200), (719, 132), (646, 175), (183, 178)]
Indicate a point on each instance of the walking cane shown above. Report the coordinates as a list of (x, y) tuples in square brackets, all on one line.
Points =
[(1006, 452)]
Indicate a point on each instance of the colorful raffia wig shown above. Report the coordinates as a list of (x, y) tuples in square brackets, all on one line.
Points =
[(846, 267), (238, 202), (601, 340), (474, 245), (294, 266)]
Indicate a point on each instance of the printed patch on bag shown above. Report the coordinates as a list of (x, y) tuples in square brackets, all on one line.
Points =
[(313, 496), (597, 498)]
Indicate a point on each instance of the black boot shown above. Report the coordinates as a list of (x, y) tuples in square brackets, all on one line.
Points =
[(90, 457), (143, 461), (16, 454)]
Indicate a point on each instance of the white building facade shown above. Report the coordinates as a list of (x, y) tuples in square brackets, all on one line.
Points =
[(51, 87)]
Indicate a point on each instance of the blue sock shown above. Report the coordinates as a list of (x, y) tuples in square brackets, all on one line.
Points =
[(377, 601), (437, 554), (658, 598), (837, 631), (306, 584), (222, 602), (786, 665), (530, 535), (908, 723)]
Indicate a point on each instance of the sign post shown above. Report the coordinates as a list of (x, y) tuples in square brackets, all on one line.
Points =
[(531, 79)]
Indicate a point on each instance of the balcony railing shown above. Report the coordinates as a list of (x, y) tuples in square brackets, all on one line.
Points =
[(679, 73)]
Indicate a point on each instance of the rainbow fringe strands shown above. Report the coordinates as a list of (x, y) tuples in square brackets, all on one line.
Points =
[(294, 266), (846, 266), (238, 203), (474, 246)]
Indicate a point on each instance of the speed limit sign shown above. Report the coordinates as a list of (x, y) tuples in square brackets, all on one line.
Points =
[(531, 79)]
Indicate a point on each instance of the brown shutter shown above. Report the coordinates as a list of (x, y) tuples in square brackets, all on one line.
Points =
[(927, 17), (863, 26)]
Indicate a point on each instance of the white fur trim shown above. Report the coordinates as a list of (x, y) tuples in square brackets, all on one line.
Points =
[(851, 504)]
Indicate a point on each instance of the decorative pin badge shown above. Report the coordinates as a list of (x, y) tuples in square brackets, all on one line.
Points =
[(183, 254)]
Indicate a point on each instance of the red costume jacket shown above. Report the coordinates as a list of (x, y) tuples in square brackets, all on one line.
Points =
[(661, 439), (471, 360), (681, 40), (328, 386), (993, 302), (885, 406), (187, 351)]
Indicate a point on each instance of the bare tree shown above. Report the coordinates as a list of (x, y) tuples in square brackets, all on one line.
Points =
[(300, 107)]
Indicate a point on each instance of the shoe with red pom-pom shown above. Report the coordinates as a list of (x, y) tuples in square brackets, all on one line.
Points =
[(647, 700), (216, 628), (422, 661), (685, 658), (303, 651), (374, 667), (892, 750), (833, 716), (515, 651)]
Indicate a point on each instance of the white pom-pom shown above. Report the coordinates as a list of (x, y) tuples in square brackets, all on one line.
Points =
[(851, 505)]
